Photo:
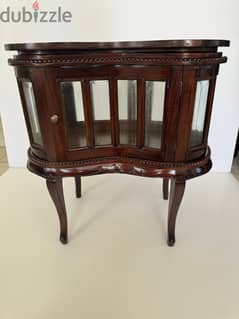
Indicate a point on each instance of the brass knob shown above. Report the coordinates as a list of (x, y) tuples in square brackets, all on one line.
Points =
[(54, 118)]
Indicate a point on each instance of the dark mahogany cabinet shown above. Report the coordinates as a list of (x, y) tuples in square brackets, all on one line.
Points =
[(139, 108)]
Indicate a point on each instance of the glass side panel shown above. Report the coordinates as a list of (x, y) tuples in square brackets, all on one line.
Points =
[(127, 101), (101, 111), (74, 114), (199, 113), (154, 107), (32, 111)]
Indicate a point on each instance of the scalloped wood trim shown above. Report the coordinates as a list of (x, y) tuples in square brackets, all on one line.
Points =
[(117, 160)]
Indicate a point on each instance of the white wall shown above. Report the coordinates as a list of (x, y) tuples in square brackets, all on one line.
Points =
[(107, 20)]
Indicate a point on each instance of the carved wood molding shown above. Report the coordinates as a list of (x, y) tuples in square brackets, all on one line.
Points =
[(123, 59)]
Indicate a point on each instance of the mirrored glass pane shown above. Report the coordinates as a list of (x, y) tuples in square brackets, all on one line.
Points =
[(154, 107), (74, 114), (32, 112), (199, 113), (101, 111), (127, 101)]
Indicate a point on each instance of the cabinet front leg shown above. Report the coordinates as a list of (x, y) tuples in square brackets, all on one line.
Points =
[(78, 186), (55, 188), (176, 194), (165, 188)]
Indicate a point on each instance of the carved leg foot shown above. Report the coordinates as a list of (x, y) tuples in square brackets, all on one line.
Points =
[(78, 186), (176, 195), (55, 188), (165, 188)]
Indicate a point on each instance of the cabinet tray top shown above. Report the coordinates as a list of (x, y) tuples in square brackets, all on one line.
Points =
[(175, 45)]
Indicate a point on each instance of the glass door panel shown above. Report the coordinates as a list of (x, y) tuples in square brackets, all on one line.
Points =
[(32, 112), (74, 114), (101, 111), (199, 113), (127, 102), (154, 108)]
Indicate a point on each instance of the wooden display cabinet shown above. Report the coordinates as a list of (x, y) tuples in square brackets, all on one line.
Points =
[(140, 108)]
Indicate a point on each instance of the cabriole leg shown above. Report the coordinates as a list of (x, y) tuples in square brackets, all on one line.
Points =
[(176, 195), (78, 186), (55, 188), (165, 188)]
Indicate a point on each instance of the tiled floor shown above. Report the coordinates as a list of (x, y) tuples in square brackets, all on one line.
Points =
[(3, 154), (117, 264)]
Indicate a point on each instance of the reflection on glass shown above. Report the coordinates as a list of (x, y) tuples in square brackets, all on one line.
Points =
[(200, 107), (101, 111), (154, 107), (127, 101), (74, 114), (32, 112)]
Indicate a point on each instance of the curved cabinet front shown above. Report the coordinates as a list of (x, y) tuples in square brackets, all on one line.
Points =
[(157, 113)]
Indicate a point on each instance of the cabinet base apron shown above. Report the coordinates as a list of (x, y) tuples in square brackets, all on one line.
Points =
[(177, 173)]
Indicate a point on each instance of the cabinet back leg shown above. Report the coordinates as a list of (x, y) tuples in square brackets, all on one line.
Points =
[(78, 186), (165, 188), (176, 194), (55, 188)]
